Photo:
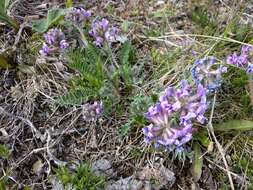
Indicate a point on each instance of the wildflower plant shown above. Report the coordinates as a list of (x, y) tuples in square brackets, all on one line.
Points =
[(208, 72), (242, 60), (102, 32), (173, 117), (92, 111), (55, 42), (79, 16), (78, 19)]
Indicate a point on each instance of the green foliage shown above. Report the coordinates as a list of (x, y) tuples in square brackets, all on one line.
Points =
[(98, 78), (138, 107), (3, 183), (164, 61), (4, 151), (91, 76), (82, 178), (4, 17), (69, 3), (53, 17), (236, 125), (233, 99), (4, 62), (197, 163), (201, 17), (127, 57), (238, 31), (163, 14), (202, 137), (127, 54)]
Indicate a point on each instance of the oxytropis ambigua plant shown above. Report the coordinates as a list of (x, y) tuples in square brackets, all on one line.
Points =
[(91, 111), (100, 31), (173, 117), (78, 16), (54, 42), (243, 60)]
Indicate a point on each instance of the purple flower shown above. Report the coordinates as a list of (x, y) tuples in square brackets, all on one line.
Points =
[(53, 36), (208, 73), (98, 107), (92, 111), (185, 102), (112, 34), (105, 24), (243, 60), (232, 59), (246, 50), (102, 32), (250, 68), (54, 42), (45, 50), (78, 15), (64, 44)]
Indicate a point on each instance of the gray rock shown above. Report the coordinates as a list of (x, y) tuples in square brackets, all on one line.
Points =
[(103, 167), (125, 184), (165, 177)]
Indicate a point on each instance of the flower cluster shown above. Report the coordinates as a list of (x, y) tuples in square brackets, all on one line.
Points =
[(208, 73), (91, 111), (78, 15), (54, 41), (102, 32), (173, 116), (242, 60)]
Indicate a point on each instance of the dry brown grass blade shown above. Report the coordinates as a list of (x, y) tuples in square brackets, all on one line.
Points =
[(251, 88), (220, 149)]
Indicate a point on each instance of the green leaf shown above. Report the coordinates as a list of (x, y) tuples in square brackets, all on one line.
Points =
[(3, 183), (237, 125), (53, 16), (203, 138), (69, 3), (4, 62), (27, 69), (4, 151), (7, 2), (197, 162), (125, 26), (2, 7), (4, 17), (127, 53), (8, 20), (40, 25), (124, 130)]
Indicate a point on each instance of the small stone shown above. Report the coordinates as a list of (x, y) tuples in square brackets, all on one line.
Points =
[(37, 167), (125, 184), (103, 167), (164, 176)]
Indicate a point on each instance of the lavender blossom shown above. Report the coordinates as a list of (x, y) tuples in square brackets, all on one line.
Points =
[(111, 34), (208, 73), (102, 32), (188, 104), (45, 50), (243, 60), (91, 111), (64, 44), (54, 42), (78, 15)]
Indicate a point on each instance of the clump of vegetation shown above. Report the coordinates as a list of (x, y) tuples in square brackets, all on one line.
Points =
[(82, 178)]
